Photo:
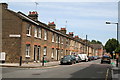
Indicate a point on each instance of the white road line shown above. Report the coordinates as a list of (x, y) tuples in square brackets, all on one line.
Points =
[(107, 74)]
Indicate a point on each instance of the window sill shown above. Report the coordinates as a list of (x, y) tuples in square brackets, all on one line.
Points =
[(28, 35), (37, 37), (52, 41), (27, 56)]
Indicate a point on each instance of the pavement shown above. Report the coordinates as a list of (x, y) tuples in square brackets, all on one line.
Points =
[(31, 64), (115, 70)]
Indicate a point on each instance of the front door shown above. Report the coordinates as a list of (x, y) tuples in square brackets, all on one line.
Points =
[(35, 52), (38, 55)]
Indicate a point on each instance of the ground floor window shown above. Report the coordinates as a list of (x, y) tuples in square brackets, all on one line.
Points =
[(45, 51), (52, 55), (27, 50)]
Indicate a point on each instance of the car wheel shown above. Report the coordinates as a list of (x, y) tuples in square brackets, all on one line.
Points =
[(74, 62), (61, 63), (71, 63)]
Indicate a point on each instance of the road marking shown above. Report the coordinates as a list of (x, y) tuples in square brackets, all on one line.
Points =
[(107, 74)]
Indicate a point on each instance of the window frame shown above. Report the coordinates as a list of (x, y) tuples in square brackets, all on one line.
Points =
[(45, 34), (39, 33), (27, 50), (53, 37), (45, 51), (35, 32), (28, 30)]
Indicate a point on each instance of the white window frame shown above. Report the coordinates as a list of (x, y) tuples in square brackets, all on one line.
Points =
[(57, 38), (28, 30), (53, 37), (61, 40), (35, 32), (45, 51), (52, 54), (45, 34), (27, 51), (39, 33)]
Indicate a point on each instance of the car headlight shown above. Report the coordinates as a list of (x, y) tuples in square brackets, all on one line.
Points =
[(69, 60)]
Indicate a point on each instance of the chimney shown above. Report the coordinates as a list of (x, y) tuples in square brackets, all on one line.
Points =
[(33, 15), (71, 34), (63, 30), (4, 5), (76, 37), (52, 25)]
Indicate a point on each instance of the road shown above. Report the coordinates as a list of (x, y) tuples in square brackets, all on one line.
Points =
[(83, 70)]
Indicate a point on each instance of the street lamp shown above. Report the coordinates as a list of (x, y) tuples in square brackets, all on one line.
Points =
[(117, 39)]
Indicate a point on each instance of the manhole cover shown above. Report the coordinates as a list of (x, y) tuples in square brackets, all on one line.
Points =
[(116, 71), (36, 74)]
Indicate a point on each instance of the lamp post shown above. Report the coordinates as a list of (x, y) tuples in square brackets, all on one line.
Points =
[(117, 39)]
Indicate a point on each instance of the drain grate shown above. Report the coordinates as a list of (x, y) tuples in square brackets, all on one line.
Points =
[(36, 74), (116, 71)]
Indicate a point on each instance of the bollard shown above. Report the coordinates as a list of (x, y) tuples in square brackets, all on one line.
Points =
[(20, 60), (43, 61), (117, 62)]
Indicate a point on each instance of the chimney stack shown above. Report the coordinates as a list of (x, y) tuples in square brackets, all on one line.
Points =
[(71, 34), (76, 37), (4, 5), (33, 15), (63, 30), (52, 25)]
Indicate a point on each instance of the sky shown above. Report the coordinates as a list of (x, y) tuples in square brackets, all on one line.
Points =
[(83, 17)]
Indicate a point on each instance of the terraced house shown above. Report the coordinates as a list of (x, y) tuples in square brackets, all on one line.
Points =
[(23, 35)]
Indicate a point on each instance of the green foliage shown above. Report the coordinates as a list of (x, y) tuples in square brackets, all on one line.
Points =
[(95, 42), (117, 50), (111, 45)]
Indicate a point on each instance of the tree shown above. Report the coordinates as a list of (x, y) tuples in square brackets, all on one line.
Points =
[(117, 50), (95, 42), (111, 45)]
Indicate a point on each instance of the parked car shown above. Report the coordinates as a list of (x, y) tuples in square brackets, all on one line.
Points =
[(68, 59), (95, 57), (78, 59), (90, 58), (83, 57), (106, 59)]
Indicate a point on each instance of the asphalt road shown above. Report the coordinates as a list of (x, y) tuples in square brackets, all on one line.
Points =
[(92, 70)]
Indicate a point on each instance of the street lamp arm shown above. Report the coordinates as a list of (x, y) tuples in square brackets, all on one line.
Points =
[(111, 23)]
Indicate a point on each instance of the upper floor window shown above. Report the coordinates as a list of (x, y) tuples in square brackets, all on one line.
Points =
[(35, 34), (61, 40), (39, 33), (57, 38), (45, 35), (53, 37), (28, 31)]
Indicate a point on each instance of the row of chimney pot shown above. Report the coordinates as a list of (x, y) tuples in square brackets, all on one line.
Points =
[(34, 12), (52, 25)]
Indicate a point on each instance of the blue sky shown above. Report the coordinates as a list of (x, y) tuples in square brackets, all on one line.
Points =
[(83, 18)]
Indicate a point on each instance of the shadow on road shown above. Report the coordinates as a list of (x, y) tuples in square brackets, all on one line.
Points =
[(93, 72)]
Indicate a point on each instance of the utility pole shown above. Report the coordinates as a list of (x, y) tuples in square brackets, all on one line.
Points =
[(86, 45)]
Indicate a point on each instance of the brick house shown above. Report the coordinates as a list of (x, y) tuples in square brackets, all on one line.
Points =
[(98, 49), (23, 35)]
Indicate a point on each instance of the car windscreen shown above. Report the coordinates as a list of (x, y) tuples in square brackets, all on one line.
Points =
[(66, 57)]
